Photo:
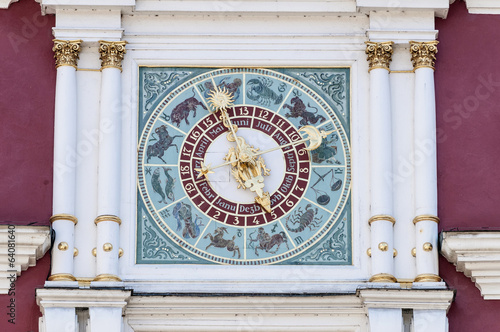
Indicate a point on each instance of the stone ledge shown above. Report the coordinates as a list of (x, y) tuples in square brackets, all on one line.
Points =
[(477, 255), (31, 243)]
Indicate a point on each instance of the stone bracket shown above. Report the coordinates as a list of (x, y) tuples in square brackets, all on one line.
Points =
[(27, 244), (477, 255)]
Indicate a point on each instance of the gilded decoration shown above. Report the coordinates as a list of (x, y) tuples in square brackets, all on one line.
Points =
[(62, 277), (63, 216), (428, 217), (381, 217), (379, 55), (383, 277), (108, 218), (66, 52), (112, 53), (428, 278), (423, 54)]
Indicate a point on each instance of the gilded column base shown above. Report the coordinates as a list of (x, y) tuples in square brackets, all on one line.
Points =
[(107, 277), (428, 278), (62, 277), (383, 277)]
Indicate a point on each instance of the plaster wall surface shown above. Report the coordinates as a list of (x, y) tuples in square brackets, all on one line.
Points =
[(468, 120)]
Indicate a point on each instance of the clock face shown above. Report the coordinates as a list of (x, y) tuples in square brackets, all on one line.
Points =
[(185, 217)]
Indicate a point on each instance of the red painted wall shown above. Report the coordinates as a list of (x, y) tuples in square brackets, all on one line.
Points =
[(468, 121), (27, 82)]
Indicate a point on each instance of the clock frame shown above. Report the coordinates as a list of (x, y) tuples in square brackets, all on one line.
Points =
[(185, 225)]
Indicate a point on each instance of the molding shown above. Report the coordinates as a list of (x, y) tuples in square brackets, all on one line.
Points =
[(81, 298), (401, 36), (477, 255), (246, 313), (89, 36), (416, 299), (4, 4), (440, 7), (31, 243), (483, 6), (262, 6)]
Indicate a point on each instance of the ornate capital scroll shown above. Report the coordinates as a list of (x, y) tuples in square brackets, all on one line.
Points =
[(423, 54), (112, 53), (66, 52), (379, 54)]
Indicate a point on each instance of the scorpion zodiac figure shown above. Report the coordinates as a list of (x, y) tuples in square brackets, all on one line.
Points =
[(305, 219)]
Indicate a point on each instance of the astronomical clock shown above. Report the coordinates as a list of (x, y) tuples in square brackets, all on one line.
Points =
[(244, 166)]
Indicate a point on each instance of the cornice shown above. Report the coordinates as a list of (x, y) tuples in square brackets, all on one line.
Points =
[(477, 255), (6, 3), (29, 244), (86, 298), (483, 6), (438, 7), (416, 299)]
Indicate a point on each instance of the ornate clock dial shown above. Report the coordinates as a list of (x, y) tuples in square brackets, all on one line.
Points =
[(208, 219)]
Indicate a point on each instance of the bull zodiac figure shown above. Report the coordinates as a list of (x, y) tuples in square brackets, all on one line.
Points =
[(218, 241), (267, 242), (181, 111)]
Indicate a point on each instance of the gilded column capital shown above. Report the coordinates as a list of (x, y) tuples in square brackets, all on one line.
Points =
[(379, 54), (66, 52), (112, 53), (423, 54)]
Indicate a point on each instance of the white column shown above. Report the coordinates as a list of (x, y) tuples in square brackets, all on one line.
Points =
[(65, 159), (430, 321), (426, 220), (87, 170), (385, 320), (106, 308), (381, 222), (108, 203), (402, 93), (58, 319), (105, 319)]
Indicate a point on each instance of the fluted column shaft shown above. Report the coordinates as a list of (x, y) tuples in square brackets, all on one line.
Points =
[(63, 220), (108, 206), (426, 220), (381, 222)]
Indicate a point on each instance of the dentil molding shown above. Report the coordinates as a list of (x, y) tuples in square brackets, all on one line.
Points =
[(477, 255), (20, 247)]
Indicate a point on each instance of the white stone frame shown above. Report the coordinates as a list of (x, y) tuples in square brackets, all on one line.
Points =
[(273, 50)]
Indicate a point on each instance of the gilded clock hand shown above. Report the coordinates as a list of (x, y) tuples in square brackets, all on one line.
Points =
[(247, 169), (314, 135), (221, 100)]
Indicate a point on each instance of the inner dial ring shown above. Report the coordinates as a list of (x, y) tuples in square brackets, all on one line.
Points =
[(293, 180)]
